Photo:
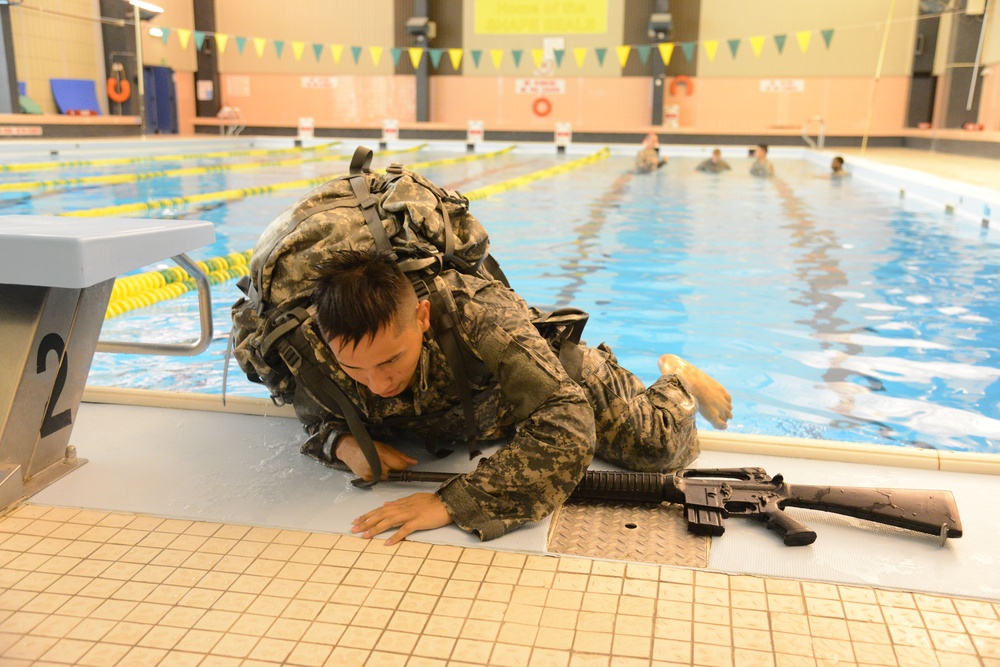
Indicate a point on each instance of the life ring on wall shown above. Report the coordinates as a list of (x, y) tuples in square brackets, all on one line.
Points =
[(119, 89), (688, 85), (542, 107)]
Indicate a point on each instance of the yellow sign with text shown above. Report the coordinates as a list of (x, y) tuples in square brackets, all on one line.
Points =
[(530, 17)]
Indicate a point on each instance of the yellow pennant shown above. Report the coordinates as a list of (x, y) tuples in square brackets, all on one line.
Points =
[(376, 52), (184, 34), (580, 53), (537, 55), (258, 45), (757, 42), (497, 56), (456, 57), (711, 46), (666, 52), (623, 52), (336, 50), (297, 48), (416, 53), (803, 37), (221, 39)]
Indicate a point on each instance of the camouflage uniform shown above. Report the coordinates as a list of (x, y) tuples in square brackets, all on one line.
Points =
[(713, 167), (762, 168), (648, 160), (554, 425)]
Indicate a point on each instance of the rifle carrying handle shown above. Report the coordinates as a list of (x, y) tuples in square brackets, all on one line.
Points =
[(793, 532)]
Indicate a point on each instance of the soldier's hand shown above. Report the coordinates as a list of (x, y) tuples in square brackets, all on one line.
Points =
[(421, 511), (349, 451)]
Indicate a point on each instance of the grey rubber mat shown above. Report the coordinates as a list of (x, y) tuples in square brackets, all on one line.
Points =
[(644, 533)]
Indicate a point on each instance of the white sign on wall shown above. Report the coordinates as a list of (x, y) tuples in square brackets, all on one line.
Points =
[(540, 86), (390, 130), (782, 85), (205, 90), (319, 82), (238, 86), (306, 128)]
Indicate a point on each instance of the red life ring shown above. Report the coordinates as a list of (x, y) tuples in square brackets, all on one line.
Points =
[(688, 85), (118, 89), (542, 107)]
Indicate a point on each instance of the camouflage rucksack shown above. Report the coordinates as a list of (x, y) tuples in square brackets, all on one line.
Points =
[(426, 227)]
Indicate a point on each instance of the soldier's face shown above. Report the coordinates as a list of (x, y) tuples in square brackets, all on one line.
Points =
[(387, 363)]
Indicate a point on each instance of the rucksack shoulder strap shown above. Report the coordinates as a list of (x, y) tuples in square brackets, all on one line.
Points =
[(361, 165)]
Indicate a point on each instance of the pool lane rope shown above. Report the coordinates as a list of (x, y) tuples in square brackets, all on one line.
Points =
[(145, 289), (206, 197), (110, 162)]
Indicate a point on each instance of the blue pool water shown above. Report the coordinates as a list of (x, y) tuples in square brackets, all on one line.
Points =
[(829, 309)]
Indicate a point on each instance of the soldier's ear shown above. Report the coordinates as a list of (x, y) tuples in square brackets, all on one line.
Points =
[(424, 315)]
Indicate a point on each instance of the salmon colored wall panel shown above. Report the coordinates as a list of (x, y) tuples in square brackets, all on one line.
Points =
[(280, 99), (592, 105), (736, 105), (184, 85)]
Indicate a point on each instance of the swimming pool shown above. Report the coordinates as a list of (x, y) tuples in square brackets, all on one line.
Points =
[(829, 309)]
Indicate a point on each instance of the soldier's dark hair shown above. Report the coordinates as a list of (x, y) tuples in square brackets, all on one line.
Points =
[(839, 160), (360, 292), (763, 147)]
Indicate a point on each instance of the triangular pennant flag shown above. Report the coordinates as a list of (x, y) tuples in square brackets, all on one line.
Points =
[(165, 35), (297, 49), (688, 49), (779, 41), (241, 42), (559, 53), (184, 34), (734, 46), (376, 54), (757, 44), (827, 36), (258, 44), (643, 53), (356, 53), (623, 52), (221, 40), (580, 53), (199, 39), (516, 55), (435, 55), (711, 46), (318, 51), (455, 55), (476, 55), (416, 53), (666, 52), (803, 37), (396, 53), (336, 50), (496, 55), (600, 53), (537, 55), (279, 46)]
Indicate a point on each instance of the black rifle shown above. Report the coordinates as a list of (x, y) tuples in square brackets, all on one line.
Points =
[(711, 495)]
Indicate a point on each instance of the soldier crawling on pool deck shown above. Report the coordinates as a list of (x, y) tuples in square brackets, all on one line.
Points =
[(386, 360)]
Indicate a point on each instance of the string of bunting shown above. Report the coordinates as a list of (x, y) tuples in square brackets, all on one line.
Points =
[(496, 56)]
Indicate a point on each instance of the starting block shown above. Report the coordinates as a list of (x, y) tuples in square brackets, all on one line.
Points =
[(56, 276)]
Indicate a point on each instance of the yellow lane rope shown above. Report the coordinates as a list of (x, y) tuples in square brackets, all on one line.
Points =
[(145, 289), (205, 197), (109, 162)]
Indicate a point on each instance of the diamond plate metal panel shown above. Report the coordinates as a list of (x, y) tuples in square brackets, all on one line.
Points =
[(648, 533)]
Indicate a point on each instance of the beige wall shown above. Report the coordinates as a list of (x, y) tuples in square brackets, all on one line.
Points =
[(991, 45), (368, 23), (854, 50), (176, 14), (57, 46)]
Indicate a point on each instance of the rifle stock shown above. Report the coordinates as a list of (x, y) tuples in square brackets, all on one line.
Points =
[(711, 495)]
